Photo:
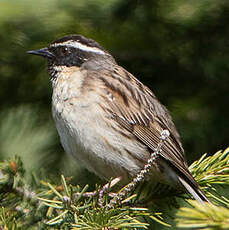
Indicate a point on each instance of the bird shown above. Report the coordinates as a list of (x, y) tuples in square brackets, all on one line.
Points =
[(108, 120)]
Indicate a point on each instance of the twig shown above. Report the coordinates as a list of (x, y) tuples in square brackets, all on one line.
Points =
[(142, 174), (101, 192)]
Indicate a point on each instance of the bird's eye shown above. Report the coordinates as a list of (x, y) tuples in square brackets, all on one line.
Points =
[(64, 50)]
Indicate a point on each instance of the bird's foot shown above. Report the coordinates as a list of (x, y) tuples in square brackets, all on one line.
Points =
[(101, 192)]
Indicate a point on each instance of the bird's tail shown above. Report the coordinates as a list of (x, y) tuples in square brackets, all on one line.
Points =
[(197, 194)]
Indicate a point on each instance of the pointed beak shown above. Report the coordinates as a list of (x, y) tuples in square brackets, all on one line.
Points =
[(44, 52)]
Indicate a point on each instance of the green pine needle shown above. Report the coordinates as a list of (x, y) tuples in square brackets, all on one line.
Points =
[(208, 216), (66, 206), (212, 169)]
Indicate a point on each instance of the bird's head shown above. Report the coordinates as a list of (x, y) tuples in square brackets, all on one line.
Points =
[(71, 50)]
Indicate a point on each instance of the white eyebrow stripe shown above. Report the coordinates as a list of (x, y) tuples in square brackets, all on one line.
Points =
[(79, 46)]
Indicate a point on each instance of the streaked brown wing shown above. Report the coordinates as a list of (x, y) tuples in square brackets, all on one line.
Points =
[(136, 109)]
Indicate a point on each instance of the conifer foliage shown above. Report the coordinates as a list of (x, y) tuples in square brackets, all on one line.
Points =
[(42, 204)]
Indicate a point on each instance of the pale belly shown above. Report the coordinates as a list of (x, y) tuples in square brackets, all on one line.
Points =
[(86, 136)]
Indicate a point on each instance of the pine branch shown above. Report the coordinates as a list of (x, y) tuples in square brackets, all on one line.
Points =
[(208, 171), (67, 206), (212, 169), (84, 212), (208, 216)]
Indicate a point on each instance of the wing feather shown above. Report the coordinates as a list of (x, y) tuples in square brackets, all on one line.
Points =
[(135, 108)]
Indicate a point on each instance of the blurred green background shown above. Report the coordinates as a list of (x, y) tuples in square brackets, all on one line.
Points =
[(179, 48)]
